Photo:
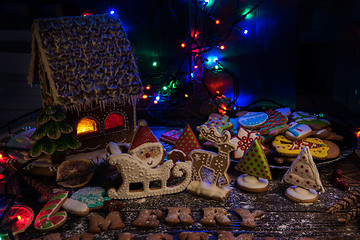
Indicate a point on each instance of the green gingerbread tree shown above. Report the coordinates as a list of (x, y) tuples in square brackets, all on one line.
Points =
[(52, 135)]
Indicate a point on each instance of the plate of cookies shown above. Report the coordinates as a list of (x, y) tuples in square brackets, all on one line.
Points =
[(284, 133)]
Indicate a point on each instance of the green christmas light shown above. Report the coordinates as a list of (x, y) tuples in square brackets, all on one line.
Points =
[(165, 88), (154, 64), (246, 12)]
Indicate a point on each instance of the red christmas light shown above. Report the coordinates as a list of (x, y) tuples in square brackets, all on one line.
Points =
[(145, 96), (217, 21), (86, 14), (186, 95), (24, 215), (156, 102), (183, 45), (147, 87), (222, 47)]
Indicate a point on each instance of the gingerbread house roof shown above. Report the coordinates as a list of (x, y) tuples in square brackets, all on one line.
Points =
[(85, 60)]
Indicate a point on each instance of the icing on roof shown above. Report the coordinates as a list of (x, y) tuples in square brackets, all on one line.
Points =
[(87, 60)]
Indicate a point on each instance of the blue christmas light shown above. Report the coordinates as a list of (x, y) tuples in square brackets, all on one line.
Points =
[(157, 98), (112, 12), (246, 31)]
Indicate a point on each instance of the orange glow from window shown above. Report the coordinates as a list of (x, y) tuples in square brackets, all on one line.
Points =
[(86, 125)]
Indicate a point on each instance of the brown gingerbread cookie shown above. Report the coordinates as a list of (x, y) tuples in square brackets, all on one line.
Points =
[(112, 221), (223, 235), (125, 236), (81, 236), (193, 236), (148, 218), (159, 236), (215, 216), (333, 151), (178, 215), (248, 218)]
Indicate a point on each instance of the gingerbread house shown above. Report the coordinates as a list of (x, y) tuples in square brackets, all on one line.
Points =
[(85, 65)]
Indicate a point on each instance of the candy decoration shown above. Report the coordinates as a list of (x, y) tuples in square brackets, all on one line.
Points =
[(303, 172), (25, 216), (48, 217), (187, 142), (275, 121), (254, 162), (243, 141)]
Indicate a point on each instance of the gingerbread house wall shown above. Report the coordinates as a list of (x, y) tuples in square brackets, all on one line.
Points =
[(98, 140)]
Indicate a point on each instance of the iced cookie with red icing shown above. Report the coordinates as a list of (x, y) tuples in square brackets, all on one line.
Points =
[(186, 143), (304, 175), (256, 167), (252, 120), (49, 218), (275, 124), (243, 140), (289, 148), (221, 123), (297, 131)]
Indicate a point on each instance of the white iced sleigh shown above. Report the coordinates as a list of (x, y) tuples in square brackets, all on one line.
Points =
[(134, 172)]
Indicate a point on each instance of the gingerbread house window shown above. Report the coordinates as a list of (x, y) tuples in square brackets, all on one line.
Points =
[(86, 126), (113, 121)]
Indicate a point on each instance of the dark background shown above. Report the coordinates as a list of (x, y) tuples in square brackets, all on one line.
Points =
[(302, 54)]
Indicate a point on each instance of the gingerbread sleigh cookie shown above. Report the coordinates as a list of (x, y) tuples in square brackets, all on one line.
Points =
[(221, 123), (133, 170)]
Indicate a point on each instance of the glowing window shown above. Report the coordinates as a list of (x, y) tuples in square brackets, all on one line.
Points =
[(114, 120), (86, 125)]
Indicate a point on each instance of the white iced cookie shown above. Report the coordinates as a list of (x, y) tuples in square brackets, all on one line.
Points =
[(252, 184), (301, 195), (76, 207), (298, 131), (252, 120)]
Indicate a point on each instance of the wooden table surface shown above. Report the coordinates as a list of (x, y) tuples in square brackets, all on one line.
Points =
[(283, 219)]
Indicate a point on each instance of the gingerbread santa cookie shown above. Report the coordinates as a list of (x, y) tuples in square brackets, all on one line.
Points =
[(305, 177), (146, 147), (256, 167)]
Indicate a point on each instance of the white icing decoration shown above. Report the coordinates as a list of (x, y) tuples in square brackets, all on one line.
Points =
[(300, 129), (303, 172), (242, 141), (133, 170), (301, 193), (253, 119), (75, 206), (209, 190), (252, 182)]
